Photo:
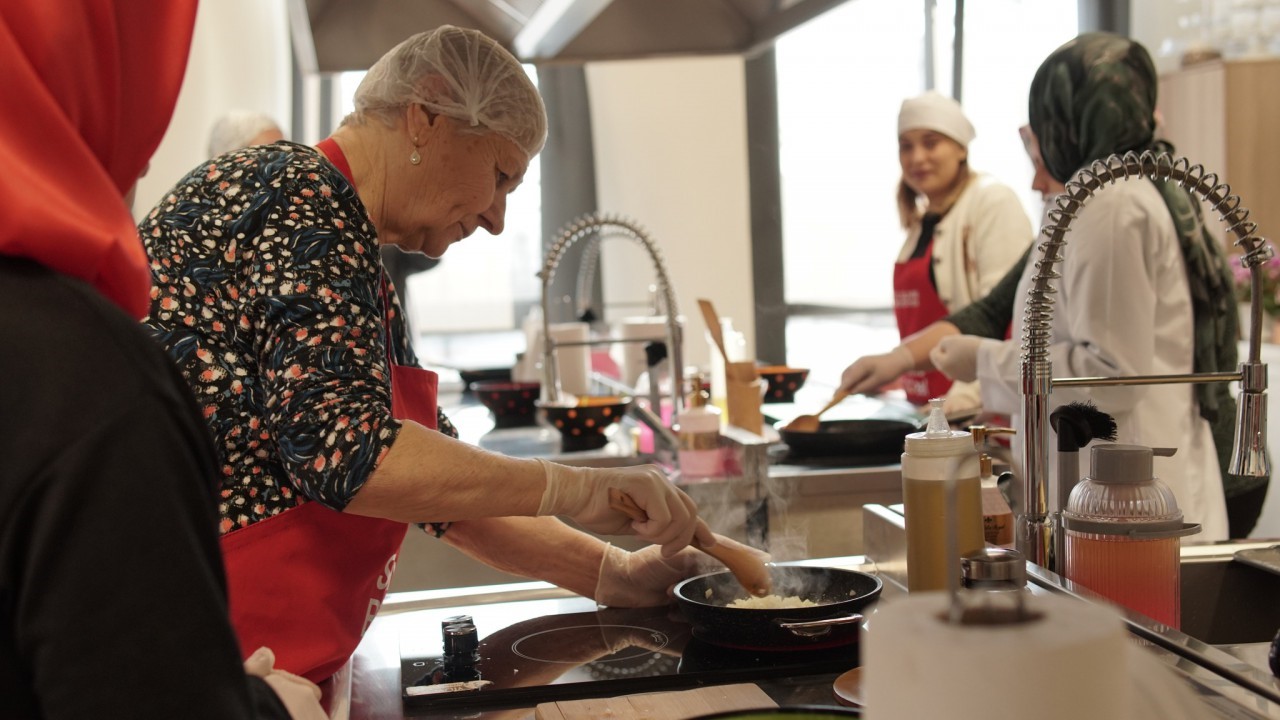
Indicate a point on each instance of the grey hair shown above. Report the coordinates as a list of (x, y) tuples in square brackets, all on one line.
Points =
[(235, 129)]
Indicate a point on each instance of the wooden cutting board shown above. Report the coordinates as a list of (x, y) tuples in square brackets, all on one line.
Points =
[(679, 705)]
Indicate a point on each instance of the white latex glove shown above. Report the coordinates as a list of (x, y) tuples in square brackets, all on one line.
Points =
[(582, 494), (644, 578), (957, 357), (300, 696), (870, 372), (962, 399)]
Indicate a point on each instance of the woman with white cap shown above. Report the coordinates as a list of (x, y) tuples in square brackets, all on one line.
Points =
[(964, 230)]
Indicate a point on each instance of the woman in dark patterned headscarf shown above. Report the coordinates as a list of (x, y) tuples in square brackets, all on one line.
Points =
[(1095, 96), (1144, 289)]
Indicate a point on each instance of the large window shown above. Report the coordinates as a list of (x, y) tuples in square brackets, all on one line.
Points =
[(464, 312), (841, 79), (1007, 40)]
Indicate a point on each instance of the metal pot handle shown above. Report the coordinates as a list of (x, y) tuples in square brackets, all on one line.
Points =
[(817, 628)]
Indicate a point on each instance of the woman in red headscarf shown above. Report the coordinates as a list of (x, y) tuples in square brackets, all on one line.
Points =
[(111, 584)]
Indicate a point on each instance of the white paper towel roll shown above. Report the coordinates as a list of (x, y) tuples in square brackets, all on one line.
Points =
[(630, 356), (1070, 664), (573, 363)]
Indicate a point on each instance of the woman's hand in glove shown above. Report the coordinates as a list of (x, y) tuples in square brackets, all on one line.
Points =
[(300, 696), (582, 494), (870, 372), (957, 357), (644, 578)]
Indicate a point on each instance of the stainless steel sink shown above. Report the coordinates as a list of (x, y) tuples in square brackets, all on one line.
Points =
[(1226, 601)]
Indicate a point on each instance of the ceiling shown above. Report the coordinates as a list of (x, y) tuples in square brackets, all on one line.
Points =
[(341, 35)]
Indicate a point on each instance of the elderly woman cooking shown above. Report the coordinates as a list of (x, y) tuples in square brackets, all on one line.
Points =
[(270, 296)]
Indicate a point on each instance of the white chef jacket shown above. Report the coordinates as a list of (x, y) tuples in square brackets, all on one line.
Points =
[(976, 242), (983, 234), (1122, 308)]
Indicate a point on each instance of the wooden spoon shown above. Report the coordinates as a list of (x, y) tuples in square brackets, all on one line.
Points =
[(811, 423), (746, 566), (712, 320)]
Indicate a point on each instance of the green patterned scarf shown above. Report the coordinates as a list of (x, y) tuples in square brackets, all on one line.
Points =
[(1096, 96)]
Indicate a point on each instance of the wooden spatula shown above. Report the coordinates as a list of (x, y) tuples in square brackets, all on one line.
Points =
[(811, 423), (712, 320), (747, 567)]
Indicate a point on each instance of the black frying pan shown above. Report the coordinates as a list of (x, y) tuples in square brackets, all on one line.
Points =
[(473, 376), (839, 594), (871, 437)]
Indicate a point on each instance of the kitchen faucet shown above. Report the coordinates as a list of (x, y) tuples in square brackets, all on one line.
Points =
[(597, 226), (1037, 529)]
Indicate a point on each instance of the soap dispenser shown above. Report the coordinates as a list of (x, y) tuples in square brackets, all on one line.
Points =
[(997, 516), (698, 432), (1123, 527)]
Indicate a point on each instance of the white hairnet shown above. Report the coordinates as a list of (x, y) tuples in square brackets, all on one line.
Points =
[(462, 74), (235, 129)]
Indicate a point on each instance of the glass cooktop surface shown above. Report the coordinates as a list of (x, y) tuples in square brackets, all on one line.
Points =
[(541, 650)]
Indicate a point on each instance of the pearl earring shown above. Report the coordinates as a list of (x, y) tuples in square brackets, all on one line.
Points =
[(415, 158)]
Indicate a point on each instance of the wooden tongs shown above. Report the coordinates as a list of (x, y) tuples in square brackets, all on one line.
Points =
[(745, 565)]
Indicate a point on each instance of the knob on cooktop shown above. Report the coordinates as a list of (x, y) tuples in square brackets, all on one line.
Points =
[(460, 641)]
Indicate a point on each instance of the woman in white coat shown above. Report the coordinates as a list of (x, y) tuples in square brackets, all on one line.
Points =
[(963, 232), (1144, 290)]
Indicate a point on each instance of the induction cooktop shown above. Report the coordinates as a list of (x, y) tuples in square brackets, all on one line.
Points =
[(521, 653)]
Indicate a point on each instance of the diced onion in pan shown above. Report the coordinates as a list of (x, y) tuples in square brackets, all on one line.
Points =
[(771, 602)]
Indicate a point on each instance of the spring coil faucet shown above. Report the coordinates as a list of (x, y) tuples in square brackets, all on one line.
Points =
[(1036, 527), (597, 227)]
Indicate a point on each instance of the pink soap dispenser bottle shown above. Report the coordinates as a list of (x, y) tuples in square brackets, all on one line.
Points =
[(698, 430)]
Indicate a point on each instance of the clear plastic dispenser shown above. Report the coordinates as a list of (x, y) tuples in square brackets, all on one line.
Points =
[(931, 459), (1123, 527)]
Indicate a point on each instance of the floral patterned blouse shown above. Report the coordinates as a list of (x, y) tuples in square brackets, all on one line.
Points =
[(269, 293)]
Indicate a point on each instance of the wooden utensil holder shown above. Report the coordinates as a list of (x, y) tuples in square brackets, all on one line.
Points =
[(744, 393)]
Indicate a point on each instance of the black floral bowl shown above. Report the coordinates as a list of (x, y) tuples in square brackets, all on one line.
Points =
[(582, 425), (512, 403), (782, 382)]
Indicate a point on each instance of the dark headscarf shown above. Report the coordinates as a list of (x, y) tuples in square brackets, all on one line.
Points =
[(1096, 96)]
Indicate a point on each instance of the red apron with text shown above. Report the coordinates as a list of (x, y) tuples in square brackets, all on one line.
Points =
[(917, 305), (307, 582)]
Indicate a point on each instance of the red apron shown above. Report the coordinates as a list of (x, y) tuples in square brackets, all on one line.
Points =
[(917, 305), (307, 582)]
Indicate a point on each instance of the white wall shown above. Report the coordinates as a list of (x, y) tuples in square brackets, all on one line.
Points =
[(1154, 23), (671, 153), (239, 61)]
